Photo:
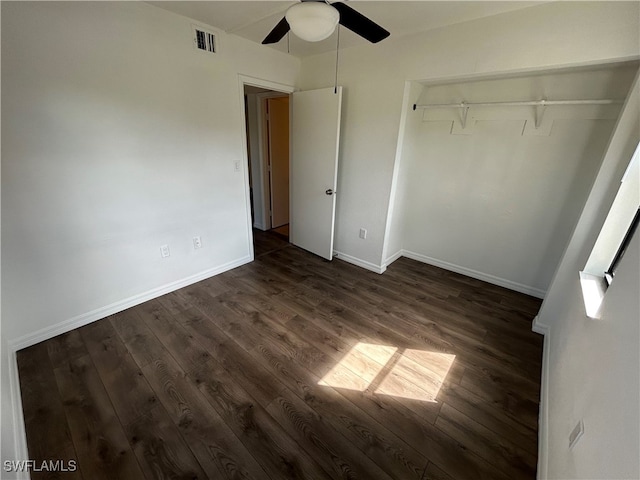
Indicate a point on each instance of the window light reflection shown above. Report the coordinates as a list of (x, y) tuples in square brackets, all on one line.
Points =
[(387, 370)]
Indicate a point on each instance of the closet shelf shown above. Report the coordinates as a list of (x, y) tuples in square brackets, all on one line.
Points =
[(539, 104), (534, 103)]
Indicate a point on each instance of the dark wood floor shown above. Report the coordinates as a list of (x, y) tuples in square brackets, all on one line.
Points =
[(292, 367)]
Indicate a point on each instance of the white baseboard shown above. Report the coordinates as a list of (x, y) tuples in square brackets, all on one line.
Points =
[(392, 258), (20, 438), (360, 263), (502, 282), (543, 415), (19, 432), (102, 312), (538, 327)]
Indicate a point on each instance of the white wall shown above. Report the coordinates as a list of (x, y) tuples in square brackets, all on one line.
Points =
[(591, 366), (118, 137), (499, 199), (394, 236), (548, 36)]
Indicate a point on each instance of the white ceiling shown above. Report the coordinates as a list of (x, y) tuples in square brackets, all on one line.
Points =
[(254, 19)]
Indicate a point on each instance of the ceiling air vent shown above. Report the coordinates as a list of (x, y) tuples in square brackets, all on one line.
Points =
[(203, 40)]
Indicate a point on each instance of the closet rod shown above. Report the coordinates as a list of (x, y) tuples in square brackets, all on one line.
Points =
[(534, 103)]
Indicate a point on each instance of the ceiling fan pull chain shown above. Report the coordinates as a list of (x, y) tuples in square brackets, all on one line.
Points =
[(335, 85), (288, 37)]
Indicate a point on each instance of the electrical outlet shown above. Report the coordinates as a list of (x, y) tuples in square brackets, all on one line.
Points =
[(576, 434), (363, 233), (164, 251), (236, 166), (197, 242)]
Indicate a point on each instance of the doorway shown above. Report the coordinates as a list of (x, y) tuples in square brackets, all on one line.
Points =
[(267, 130), (276, 128), (312, 164)]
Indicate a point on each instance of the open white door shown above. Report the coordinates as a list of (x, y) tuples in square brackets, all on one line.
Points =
[(315, 138)]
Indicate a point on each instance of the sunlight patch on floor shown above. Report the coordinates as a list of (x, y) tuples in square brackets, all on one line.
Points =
[(359, 367), (387, 370)]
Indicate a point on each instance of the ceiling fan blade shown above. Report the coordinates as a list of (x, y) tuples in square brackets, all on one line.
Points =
[(279, 31), (358, 23)]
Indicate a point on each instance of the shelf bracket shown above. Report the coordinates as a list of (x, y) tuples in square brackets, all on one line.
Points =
[(464, 113), (540, 109)]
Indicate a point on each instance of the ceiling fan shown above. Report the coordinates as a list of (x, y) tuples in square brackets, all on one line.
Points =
[(315, 20)]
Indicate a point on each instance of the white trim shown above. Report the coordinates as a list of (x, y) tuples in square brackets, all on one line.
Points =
[(256, 82), (360, 263), (593, 288), (259, 226), (262, 83), (392, 258), (20, 437), (396, 170), (538, 327), (19, 430), (512, 72), (543, 414), (502, 282), (102, 312)]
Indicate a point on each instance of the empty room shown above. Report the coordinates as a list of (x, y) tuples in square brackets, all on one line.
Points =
[(320, 240)]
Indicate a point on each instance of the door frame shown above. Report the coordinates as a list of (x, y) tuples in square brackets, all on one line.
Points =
[(266, 84)]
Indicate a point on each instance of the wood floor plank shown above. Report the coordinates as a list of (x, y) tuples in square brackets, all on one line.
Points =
[(295, 367), (173, 336), (159, 447), (48, 434), (265, 305), (338, 350), (321, 315), (129, 391), (388, 450), (277, 453), (253, 377), (66, 347), (520, 406), (473, 356), (284, 356), (467, 402), (140, 341), (174, 303), (338, 456), (100, 442), (504, 455), (329, 343), (216, 447), (248, 327), (432, 472)]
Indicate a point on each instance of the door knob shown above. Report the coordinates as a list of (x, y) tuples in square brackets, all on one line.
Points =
[(329, 191)]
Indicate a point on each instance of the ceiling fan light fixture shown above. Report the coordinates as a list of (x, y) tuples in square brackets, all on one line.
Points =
[(312, 21)]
